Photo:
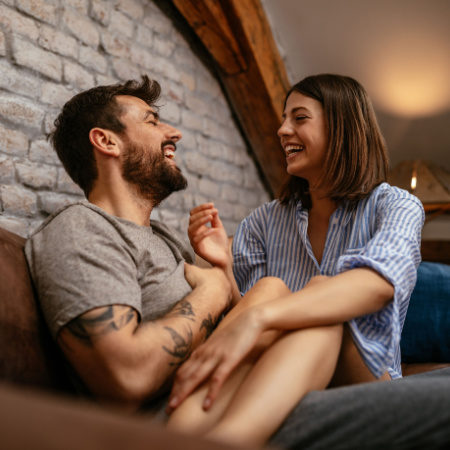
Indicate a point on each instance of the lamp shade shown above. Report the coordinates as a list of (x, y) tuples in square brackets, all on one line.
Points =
[(428, 182)]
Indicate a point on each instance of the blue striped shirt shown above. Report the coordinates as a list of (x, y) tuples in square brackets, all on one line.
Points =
[(383, 232)]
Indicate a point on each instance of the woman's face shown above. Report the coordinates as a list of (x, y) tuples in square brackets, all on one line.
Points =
[(304, 137)]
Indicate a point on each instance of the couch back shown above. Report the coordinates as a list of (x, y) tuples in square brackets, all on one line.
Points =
[(28, 355)]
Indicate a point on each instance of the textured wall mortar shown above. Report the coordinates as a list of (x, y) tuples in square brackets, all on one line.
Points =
[(52, 49)]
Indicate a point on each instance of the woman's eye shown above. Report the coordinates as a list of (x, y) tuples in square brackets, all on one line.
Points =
[(153, 123), (300, 117)]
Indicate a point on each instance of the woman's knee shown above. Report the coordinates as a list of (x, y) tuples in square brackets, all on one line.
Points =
[(317, 279), (274, 285)]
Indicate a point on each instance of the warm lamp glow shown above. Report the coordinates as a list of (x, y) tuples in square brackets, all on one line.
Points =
[(410, 78), (414, 181)]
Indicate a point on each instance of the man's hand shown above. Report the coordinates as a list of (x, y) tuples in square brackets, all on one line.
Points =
[(211, 243)]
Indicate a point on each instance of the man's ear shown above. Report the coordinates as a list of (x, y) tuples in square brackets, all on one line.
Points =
[(105, 141)]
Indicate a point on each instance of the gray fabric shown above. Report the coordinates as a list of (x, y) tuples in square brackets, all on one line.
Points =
[(83, 258), (409, 413)]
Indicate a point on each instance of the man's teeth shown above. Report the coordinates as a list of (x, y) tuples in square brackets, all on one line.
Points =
[(289, 149), (169, 153)]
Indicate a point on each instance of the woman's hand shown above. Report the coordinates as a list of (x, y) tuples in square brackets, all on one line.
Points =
[(214, 360), (211, 243)]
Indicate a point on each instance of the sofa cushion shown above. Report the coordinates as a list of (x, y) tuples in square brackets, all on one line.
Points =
[(426, 333), (28, 356)]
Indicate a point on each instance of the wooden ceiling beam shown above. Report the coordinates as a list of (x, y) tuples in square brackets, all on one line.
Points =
[(238, 37)]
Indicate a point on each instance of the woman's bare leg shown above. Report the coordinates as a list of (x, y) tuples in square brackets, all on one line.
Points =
[(351, 368), (295, 364), (190, 417)]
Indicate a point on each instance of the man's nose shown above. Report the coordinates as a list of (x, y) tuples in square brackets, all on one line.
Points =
[(171, 133)]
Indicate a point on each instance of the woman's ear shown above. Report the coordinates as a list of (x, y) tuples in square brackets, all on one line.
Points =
[(105, 141)]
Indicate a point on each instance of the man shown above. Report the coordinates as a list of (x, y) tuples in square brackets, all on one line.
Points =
[(127, 311), (115, 290)]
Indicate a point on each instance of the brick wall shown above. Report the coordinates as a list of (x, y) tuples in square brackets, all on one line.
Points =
[(53, 49)]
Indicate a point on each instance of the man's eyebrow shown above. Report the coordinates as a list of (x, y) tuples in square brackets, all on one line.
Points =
[(149, 112)]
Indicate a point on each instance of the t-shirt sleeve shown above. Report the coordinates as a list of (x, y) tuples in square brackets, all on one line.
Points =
[(249, 250), (394, 252), (79, 263)]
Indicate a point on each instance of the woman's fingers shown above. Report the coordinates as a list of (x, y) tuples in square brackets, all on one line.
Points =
[(190, 375)]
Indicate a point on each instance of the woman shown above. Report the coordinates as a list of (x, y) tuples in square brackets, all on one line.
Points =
[(346, 246)]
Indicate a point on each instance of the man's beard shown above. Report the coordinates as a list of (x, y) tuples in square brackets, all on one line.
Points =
[(149, 172)]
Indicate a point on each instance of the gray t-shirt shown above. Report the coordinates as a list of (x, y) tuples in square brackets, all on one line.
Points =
[(82, 258)]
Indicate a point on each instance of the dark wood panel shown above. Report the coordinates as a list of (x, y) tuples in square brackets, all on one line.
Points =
[(436, 251), (239, 40)]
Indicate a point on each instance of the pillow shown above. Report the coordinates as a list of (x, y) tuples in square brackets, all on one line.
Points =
[(426, 333)]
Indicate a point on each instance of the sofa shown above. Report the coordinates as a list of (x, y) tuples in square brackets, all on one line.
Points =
[(35, 393)]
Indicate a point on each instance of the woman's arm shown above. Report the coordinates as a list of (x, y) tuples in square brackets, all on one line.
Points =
[(212, 243)]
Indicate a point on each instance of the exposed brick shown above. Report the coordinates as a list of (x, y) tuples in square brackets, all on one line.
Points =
[(15, 80), (14, 22), (121, 23), (165, 68), (188, 141), (174, 92), (18, 201), (20, 111), (191, 120), (15, 225), (207, 84), (188, 80), (171, 113), (131, 8), (33, 57), (76, 75), (13, 142), (42, 151), (124, 70), (209, 187), (55, 94), (92, 59), (115, 44), (200, 106), (37, 176), (80, 5), (2, 44), (141, 56), (7, 171), (65, 184), (50, 202), (212, 128), (101, 11), (163, 46), (39, 9), (196, 163), (58, 42), (144, 36), (230, 193), (157, 21), (82, 28), (105, 80)]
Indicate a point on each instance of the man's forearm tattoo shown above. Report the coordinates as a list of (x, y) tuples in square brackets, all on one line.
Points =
[(183, 308), (208, 324), (182, 347), (100, 322)]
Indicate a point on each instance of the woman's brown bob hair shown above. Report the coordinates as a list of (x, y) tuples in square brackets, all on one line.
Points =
[(356, 160)]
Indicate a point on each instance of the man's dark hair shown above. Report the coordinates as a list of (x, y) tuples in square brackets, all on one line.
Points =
[(97, 107), (356, 161)]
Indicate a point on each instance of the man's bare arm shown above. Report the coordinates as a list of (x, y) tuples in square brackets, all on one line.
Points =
[(123, 361)]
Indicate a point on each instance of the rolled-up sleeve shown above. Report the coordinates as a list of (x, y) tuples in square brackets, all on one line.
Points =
[(394, 252)]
